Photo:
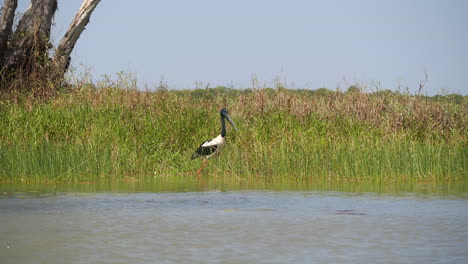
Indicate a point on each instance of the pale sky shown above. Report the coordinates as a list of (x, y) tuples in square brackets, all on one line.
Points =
[(304, 43)]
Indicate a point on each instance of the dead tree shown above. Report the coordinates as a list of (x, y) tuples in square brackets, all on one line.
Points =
[(25, 53)]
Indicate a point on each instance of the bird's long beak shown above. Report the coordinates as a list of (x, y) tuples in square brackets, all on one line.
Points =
[(231, 122)]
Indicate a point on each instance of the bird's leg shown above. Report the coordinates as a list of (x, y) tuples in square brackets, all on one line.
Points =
[(199, 170)]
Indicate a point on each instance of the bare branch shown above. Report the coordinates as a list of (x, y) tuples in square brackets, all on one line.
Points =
[(66, 45)]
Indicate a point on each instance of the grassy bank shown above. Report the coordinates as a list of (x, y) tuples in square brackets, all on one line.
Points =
[(110, 133)]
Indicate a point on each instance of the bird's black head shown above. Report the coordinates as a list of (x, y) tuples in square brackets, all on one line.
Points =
[(224, 112)]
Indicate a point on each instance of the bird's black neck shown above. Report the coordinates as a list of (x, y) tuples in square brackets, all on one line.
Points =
[(223, 126)]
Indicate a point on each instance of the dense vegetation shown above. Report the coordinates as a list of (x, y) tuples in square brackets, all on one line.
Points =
[(110, 133)]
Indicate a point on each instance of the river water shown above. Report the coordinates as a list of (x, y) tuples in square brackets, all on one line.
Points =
[(181, 224)]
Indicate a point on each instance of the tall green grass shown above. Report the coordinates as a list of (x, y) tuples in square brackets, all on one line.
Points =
[(115, 134)]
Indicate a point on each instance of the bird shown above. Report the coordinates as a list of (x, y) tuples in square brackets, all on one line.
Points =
[(213, 147)]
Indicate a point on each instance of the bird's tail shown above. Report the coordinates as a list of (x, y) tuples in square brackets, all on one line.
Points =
[(194, 156)]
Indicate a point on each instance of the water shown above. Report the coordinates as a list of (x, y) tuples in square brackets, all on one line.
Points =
[(131, 224)]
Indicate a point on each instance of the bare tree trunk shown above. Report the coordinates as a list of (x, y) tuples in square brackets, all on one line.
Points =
[(25, 62), (6, 24), (31, 38), (66, 45)]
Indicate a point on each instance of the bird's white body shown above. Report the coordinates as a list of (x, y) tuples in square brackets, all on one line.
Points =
[(217, 142)]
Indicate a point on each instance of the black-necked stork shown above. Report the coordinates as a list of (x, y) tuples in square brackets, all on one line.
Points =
[(213, 147)]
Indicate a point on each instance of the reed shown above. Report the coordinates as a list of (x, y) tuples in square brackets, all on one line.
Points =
[(112, 132)]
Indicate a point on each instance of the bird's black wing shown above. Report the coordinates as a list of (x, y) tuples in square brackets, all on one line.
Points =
[(204, 150)]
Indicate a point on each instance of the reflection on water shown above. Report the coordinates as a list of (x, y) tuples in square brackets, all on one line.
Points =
[(190, 184), (164, 222)]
